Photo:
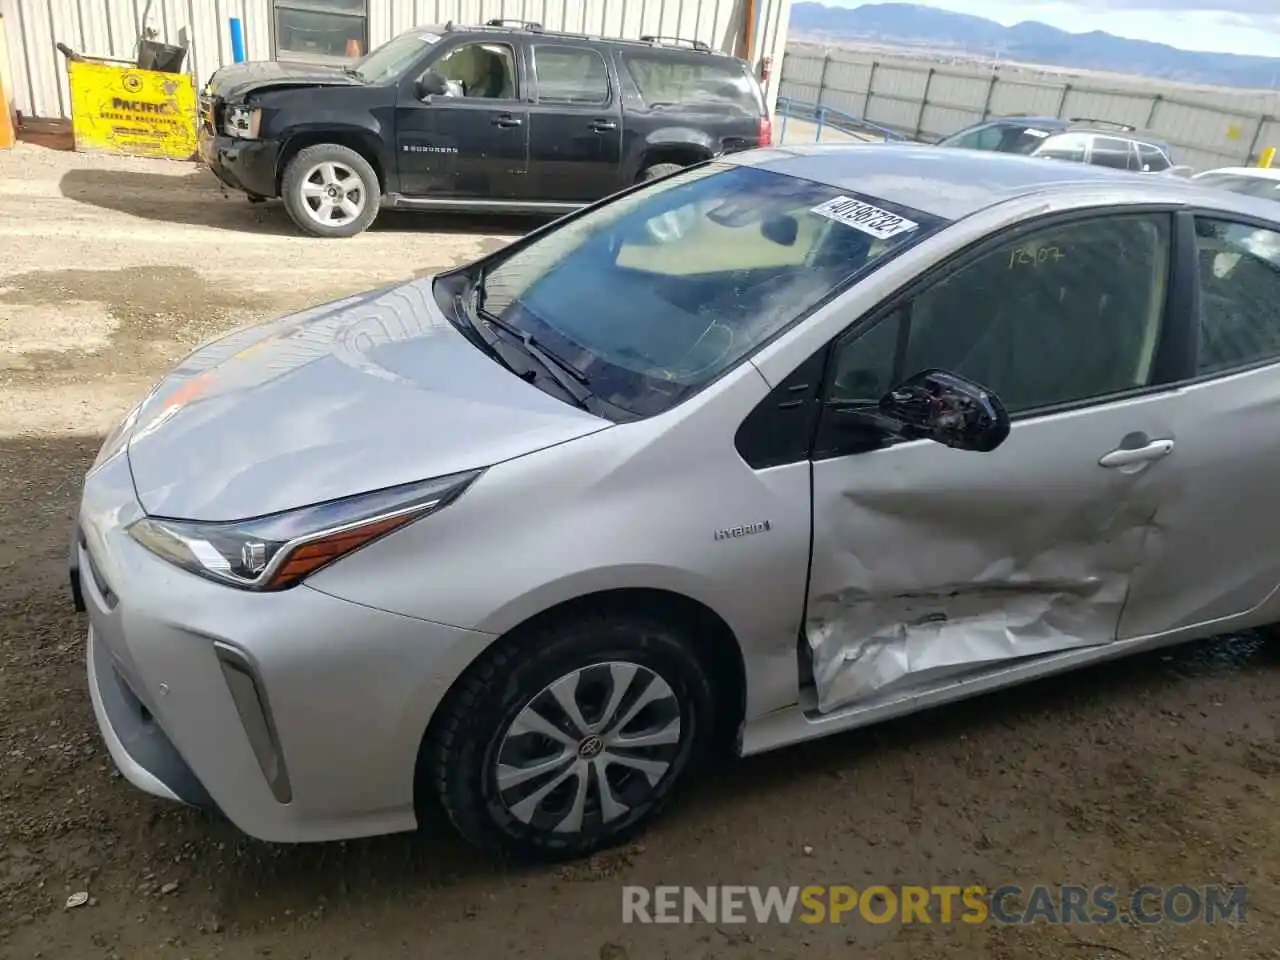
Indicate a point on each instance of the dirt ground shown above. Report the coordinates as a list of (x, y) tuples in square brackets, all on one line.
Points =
[(1164, 769)]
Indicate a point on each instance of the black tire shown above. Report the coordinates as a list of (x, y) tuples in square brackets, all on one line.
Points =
[(302, 165), (659, 170), (462, 755)]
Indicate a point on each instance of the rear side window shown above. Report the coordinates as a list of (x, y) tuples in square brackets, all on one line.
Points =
[(1152, 158), (1113, 152), (672, 81), (1069, 146), (1239, 290), (570, 74)]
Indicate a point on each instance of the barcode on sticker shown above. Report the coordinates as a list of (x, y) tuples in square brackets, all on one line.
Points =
[(881, 224)]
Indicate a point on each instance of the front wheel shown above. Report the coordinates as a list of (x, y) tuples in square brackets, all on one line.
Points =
[(331, 191), (572, 739)]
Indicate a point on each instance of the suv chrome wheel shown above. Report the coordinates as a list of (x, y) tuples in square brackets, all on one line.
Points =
[(333, 194)]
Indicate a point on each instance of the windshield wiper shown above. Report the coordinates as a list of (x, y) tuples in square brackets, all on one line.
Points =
[(351, 71), (552, 362)]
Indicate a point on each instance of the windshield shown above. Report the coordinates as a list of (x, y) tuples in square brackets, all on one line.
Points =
[(657, 293), (394, 57), (1264, 187)]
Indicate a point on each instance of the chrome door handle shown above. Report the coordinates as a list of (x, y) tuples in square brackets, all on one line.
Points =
[(1126, 458), (600, 126), (506, 121)]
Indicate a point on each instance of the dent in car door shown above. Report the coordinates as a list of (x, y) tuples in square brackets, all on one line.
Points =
[(474, 145), (575, 135), (930, 562)]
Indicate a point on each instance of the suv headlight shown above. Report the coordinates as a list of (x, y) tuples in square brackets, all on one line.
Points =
[(242, 121), (281, 550)]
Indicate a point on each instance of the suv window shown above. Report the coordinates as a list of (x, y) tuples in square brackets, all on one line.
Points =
[(570, 74), (1113, 152), (656, 293), (1068, 146), (1152, 159), (485, 70), (673, 81), (1068, 313), (983, 138), (1239, 290)]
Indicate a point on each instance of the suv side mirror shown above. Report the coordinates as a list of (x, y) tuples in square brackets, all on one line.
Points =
[(430, 84), (948, 409)]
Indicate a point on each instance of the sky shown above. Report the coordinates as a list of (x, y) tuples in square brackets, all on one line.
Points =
[(1227, 26)]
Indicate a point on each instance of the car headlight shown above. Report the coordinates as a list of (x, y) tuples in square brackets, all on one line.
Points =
[(283, 549), (242, 121)]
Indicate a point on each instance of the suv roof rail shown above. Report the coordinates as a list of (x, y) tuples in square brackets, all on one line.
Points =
[(1127, 127), (698, 45), (531, 25)]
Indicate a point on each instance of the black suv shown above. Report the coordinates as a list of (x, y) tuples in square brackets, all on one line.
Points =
[(507, 117)]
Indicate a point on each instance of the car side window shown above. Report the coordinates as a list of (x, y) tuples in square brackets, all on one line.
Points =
[(1239, 293), (1069, 146), (1151, 159), (570, 74), (983, 138), (1068, 313), (1113, 152), (484, 71)]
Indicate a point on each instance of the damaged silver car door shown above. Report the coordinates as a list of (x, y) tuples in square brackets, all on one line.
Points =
[(931, 562)]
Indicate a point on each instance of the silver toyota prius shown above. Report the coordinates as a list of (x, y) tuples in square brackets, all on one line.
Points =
[(777, 446)]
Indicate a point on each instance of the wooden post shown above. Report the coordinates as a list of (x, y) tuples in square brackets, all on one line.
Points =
[(871, 84), (924, 103), (991, 89)]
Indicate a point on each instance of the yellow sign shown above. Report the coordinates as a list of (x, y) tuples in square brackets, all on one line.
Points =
[(124, 110), (1235, 132)]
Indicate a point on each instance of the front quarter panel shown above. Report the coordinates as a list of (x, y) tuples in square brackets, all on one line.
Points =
[(634, 506), (363, 114)]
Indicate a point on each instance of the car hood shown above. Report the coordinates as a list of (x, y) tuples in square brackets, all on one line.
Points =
[(364, 393), (236, 80)]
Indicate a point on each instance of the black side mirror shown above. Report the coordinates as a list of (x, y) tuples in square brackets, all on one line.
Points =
[(430, 84), (948, 409)]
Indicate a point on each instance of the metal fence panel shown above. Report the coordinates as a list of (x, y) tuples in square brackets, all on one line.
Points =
[(1206, 127)]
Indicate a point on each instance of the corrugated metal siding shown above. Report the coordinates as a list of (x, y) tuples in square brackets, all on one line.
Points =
[(110, 28), (1206, 127)]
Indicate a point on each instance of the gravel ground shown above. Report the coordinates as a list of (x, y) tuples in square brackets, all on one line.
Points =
[(1163, 769)]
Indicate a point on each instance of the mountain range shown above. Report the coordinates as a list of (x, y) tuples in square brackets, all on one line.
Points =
[(1031, 42)]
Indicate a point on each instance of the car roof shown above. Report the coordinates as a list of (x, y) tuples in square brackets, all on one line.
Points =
[(1105, 129), (1254, 173), (952, 183)]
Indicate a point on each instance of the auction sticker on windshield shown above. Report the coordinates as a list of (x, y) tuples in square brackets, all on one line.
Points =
[(880, 224)]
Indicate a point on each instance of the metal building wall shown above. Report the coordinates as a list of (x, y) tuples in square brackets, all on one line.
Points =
[(110, 28)]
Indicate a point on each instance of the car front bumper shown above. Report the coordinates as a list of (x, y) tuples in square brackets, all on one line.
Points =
[(296, 714), (246, 165)]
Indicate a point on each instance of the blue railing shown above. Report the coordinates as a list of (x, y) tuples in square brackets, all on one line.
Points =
[(823, 116)]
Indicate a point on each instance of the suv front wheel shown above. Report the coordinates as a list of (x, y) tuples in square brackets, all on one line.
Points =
[(331, 191)]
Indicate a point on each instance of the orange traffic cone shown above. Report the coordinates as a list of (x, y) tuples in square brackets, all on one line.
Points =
[(353, 48)]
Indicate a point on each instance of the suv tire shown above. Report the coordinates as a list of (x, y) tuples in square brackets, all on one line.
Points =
[(331, 191), (508, 717), (659, 170)]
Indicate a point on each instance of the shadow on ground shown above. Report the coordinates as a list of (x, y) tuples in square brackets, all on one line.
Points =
[(198, 199)]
